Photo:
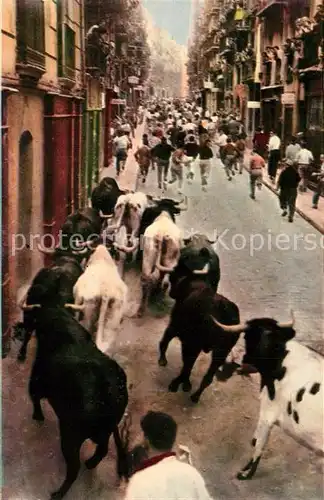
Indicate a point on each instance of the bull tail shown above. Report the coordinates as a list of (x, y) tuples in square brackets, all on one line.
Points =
[(106, 305), (122, 440)]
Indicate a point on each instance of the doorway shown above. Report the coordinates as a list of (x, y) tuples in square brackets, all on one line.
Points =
[(25, 186)]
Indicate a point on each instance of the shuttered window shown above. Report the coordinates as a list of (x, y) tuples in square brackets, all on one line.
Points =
[(30, 31)]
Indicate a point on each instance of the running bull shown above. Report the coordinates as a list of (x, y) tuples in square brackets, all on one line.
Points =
[(80, 230), (291, 385), (58, 281), (128, 214), (192, 322), (86, 389), (162, 242), (198, 258)]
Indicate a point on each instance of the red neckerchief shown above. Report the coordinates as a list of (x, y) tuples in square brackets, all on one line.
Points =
[(154, 460)]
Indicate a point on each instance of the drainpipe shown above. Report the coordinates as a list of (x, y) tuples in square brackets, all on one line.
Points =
[(82, 161)]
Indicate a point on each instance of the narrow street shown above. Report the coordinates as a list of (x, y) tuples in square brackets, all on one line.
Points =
[(218, 431)]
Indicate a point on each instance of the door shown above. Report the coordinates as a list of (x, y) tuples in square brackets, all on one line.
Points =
[(5, 284), (25, 193)]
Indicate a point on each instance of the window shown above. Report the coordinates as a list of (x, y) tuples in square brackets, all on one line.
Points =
[(66, 44), (30, 32), (66, 52), (315, 113)]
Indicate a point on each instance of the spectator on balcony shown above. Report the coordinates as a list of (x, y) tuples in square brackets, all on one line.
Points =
[(320, 183), (292, 149), (304, 159), (260, 141), (274, 155)]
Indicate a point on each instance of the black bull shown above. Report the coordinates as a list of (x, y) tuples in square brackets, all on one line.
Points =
[(105, 196), (198, 259), (192, 322), (57, 281), (86, 389)]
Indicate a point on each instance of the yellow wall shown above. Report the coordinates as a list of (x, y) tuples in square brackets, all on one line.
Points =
[(73, 9), (25, 113)]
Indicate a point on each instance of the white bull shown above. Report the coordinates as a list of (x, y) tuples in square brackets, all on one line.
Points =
[(102, 296), (162, 243), (128, 214)]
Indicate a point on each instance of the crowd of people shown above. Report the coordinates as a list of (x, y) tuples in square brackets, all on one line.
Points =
[(181, 138)]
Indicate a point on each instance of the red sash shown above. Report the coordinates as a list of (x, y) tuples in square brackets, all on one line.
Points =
[(154, 460)]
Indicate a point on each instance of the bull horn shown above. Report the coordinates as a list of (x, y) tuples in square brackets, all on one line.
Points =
[(30, 307), (164, 269), (229, 328), (212, 241), (153, 198), (75, 307), (290, 324), (47, 251), (205, 270), (127, 250), (104, 216)]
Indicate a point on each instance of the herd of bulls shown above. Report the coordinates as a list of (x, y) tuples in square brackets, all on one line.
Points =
[(76, 305)]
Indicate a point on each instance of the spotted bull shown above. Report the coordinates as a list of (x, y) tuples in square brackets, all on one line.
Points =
[(162, 241), (291, 385)]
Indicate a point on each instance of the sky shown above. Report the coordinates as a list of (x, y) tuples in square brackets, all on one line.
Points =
[(172, 15)]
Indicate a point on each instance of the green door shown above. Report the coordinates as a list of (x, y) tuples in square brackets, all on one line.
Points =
[(93, 127)]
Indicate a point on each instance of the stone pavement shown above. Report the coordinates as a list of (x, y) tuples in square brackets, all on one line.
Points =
[(303, 205)]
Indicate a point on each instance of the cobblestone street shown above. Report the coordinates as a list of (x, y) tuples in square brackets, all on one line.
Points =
[(219, 430)]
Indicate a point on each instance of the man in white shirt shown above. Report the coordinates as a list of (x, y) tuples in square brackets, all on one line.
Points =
[(189, 126), (292, 149), (274, 155), (162, 476), (121, 145), (304, 159)]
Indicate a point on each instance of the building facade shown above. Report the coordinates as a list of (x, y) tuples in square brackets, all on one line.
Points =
[(264, 60), (63, 63), (42, 89)]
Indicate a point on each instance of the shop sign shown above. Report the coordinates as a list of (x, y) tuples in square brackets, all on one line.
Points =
[(253, 105), (119, 102), (208, 85), (288, 99), (133, 80)]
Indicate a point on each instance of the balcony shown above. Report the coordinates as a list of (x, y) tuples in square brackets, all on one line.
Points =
[(30, 63), (265, 6)]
